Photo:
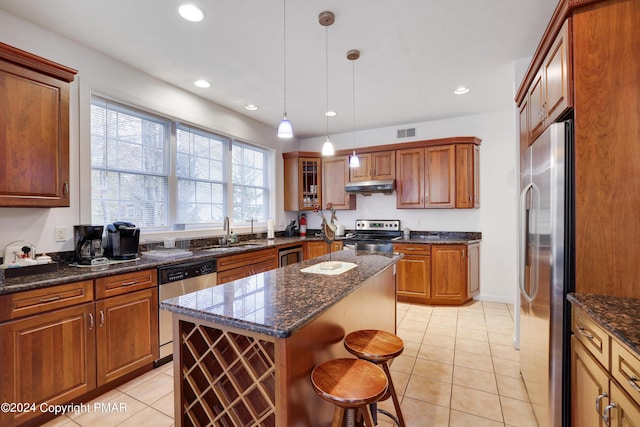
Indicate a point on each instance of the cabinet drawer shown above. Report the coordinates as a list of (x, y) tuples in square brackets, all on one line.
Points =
[(240, 260), (594, 338), (35, 301), (412, 249), (125, 283), (625, 368)]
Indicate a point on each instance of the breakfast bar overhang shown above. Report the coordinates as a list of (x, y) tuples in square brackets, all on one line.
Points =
[(244, 350)]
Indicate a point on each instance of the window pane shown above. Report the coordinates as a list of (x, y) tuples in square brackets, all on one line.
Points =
[(201, 176), (129, 159), (250, 193)]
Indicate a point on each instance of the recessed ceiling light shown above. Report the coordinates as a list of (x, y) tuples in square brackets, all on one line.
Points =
[(461, 90), (330, 113), (251, 107), (191, 13), (202, 83)]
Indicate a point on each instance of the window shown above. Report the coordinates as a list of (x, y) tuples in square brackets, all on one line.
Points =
[(129, 165), (200, 169), (132, 178), (250, 190)]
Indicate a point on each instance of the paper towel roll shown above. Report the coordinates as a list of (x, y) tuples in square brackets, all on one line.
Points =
[(270, 232)]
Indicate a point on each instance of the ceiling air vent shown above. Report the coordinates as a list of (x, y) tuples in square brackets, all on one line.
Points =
[(406, 133)]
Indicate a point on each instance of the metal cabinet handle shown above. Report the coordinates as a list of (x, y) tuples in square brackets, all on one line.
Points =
[(605, 417), (91, 323), (584, 333), (633, 382), (130, 283), (101, 318), (598, 399), (51, 299), (65, 189)]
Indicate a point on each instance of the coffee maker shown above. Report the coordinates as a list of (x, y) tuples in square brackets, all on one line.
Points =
[(88, 240), (122, 240)]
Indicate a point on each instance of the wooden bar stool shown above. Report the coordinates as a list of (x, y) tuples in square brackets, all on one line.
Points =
[(378, 347), (351, 385)]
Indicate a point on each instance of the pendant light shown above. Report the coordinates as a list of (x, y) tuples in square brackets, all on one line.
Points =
[(352, 55), (326, 19), (285, 129)]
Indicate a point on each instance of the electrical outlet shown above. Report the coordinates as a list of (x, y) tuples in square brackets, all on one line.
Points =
[(61, 234)]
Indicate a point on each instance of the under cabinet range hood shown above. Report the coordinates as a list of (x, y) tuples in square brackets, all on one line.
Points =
[(385, 186)]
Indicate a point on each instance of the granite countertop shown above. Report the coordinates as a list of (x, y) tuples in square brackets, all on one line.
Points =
[(618, 315), (67, 272), (280, 301)]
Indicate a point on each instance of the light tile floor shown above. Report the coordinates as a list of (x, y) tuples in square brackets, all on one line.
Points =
[(458, 369)]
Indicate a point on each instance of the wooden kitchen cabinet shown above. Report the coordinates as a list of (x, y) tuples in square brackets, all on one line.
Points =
[(413, 273), (316, 248), (126, 334), (335, 175), (604, 376), (467, 176), (238, 266), (374, 166), (549, 95), (302, 181), (34, 130), (48, 347), (441, 176), (438, 274)]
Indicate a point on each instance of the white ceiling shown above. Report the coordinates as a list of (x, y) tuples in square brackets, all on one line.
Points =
[(414, 53)]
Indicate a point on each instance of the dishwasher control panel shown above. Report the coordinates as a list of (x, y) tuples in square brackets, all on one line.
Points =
[(184, 271)]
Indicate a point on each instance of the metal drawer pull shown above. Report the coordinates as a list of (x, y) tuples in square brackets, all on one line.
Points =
[(101, 318), (55, 298), (605, 417), (633, 382), (91, 321), (598, 399), (130, 283), (584, 332)]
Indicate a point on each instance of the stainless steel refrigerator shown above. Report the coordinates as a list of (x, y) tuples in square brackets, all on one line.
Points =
[(546, 241)]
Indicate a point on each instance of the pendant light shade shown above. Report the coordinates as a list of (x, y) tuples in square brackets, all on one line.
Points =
[(354, 161), (352, 55), (327, 19), (285, 129), (327, 148)]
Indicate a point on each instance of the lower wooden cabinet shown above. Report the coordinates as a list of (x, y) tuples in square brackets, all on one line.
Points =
[(438, 274), (604, 384), (48, 357), (413, 273), (234, 267), (316, 248), (58, 343), (123, 339)]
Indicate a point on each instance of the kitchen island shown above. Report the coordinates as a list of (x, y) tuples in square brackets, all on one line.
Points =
[(244, 350)]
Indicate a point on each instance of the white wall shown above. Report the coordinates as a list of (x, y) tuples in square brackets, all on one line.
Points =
[(97, 72), (496, 218)]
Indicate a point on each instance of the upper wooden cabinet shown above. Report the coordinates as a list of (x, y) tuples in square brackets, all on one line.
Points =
[(467, 176), (34, 130), (444, 176), (335, 175), (374, 166), (549, 94), (302, 181)]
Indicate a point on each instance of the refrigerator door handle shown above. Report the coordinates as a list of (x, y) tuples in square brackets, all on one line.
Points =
[(524, 230)]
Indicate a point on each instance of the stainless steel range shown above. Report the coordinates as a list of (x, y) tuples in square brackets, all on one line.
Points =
[(374, 235)]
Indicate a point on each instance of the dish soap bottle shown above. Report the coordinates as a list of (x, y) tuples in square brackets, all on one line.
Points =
[(233, 238)]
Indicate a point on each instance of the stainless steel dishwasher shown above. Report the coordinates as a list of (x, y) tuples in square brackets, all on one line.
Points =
[(174, 281)]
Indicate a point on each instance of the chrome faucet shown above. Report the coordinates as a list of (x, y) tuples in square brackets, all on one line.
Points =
[(225, 227)]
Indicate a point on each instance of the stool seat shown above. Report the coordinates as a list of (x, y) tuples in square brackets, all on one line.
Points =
[(351, 385), (378, 347), (373, 345)]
